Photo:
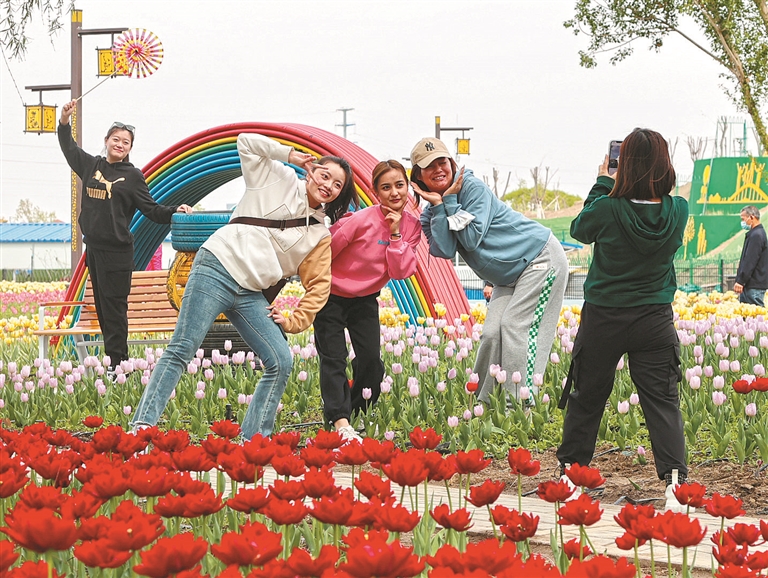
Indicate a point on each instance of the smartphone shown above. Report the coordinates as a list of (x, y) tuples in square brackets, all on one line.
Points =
[(613, 156)]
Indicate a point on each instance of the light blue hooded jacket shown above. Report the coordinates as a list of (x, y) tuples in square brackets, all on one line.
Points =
[(498, 244)]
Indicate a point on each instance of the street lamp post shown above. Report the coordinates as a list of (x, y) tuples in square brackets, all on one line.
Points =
[(76, 91)]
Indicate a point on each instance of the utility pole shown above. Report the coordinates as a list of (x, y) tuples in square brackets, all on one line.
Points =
[(345, 124), (462, 144), (75, 87)]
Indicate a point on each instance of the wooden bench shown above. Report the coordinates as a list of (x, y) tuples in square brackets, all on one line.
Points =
[(149, 312)]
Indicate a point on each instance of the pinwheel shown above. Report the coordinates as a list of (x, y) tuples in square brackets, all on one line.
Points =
[(138, 53)]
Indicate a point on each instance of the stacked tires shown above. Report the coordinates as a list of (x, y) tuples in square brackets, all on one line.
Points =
[(188, 233)]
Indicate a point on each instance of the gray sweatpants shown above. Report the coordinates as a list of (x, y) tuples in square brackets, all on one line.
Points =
[(522, 320)]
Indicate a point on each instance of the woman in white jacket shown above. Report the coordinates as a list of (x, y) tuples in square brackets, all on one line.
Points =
[(276, 231)]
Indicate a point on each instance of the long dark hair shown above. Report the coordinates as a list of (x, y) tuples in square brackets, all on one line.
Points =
[(337, 207), (645, 169)]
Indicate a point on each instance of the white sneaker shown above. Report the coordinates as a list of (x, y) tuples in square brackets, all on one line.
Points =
[(349, 434), (672, 503)]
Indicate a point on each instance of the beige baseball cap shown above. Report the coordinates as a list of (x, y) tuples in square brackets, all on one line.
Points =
[(427, 150)]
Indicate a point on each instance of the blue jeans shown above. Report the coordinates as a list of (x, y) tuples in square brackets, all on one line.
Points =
[(753, 296), (211, 290)]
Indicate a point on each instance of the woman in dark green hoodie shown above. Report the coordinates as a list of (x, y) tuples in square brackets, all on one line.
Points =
[(636, 227)]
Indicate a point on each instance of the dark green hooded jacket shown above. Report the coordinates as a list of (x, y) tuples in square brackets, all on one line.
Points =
[(635, 246)]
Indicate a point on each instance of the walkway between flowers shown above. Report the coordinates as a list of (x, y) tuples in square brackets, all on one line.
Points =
[(602, 534)]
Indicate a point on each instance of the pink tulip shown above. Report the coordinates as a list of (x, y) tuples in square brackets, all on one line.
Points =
[(623, 407), (718, 397), (751, 410)]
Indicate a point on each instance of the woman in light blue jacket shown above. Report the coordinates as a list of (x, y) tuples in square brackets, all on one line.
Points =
[(521, 258)]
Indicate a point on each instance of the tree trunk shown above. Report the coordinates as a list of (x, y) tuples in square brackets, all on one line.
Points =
[(762, 7)]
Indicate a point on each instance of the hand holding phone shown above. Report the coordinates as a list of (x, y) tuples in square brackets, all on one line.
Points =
[(613, 156)]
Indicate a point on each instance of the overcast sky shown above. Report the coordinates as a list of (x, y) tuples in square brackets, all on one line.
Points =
[(507, 68)]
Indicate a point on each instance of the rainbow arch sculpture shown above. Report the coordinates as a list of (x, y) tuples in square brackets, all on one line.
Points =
[(192, 168)]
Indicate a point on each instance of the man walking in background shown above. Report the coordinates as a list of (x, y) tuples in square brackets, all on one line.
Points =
[(752, 275)]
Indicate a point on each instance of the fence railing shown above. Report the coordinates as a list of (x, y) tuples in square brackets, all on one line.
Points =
[(698, 275)]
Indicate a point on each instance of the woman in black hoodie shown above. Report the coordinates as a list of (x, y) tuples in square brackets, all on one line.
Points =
[(113, 189)]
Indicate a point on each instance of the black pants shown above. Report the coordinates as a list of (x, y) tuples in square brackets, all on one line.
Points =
[(360, 315), (647, 333), (111, 273)]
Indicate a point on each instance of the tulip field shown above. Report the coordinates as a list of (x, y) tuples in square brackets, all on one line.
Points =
[(79, 496)]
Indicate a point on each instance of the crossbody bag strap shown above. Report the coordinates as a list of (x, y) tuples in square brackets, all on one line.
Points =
[(272, 223)]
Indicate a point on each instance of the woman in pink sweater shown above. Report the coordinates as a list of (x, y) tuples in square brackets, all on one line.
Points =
[(369, 248)]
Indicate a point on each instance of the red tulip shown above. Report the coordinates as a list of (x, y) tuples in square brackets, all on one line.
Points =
[(290, 465), (601, 567), (472, 386), (459, 520), (573, 549), (363, 514), (225, 428), (335, 509), (318, 483), (214, 446), (376, 451), (758, 560), (555, 491), (97, 464), (395, 517), (12, 480), (301, 562), (193, 459), (370, 554), (237, 468), (744, 534), (582, 511), (254, 545), (445, 471), (628, 541), (327, 440), (131, 444), (39, 530), (60, 438), (108, 484), (371, 485), (8, 555), (249, 500), (730, 553), (521, 463), (584, 476), (519, 527), (150, 482), (107, 439), (424, 440), (760, 384), (406, 468), (352, 454), (131, 529), (742, 386), (81, 505), (289, 439), (691, 494), (174, 440), (490, 557), (316, 457), (471, 462), (630, 513), (171, 556), (486, 493), (731, 571), (34, 570), (291, 490), (93, 421), (284, 512), (202, 503), (681, 531), (56, 466), (99, 554), (721, 506), (764, 529), (41, 498)]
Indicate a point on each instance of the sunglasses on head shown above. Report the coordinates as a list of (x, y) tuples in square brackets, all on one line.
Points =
[(129, 127)]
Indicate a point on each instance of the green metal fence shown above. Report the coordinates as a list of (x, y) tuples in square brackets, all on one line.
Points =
[(695, 275)]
